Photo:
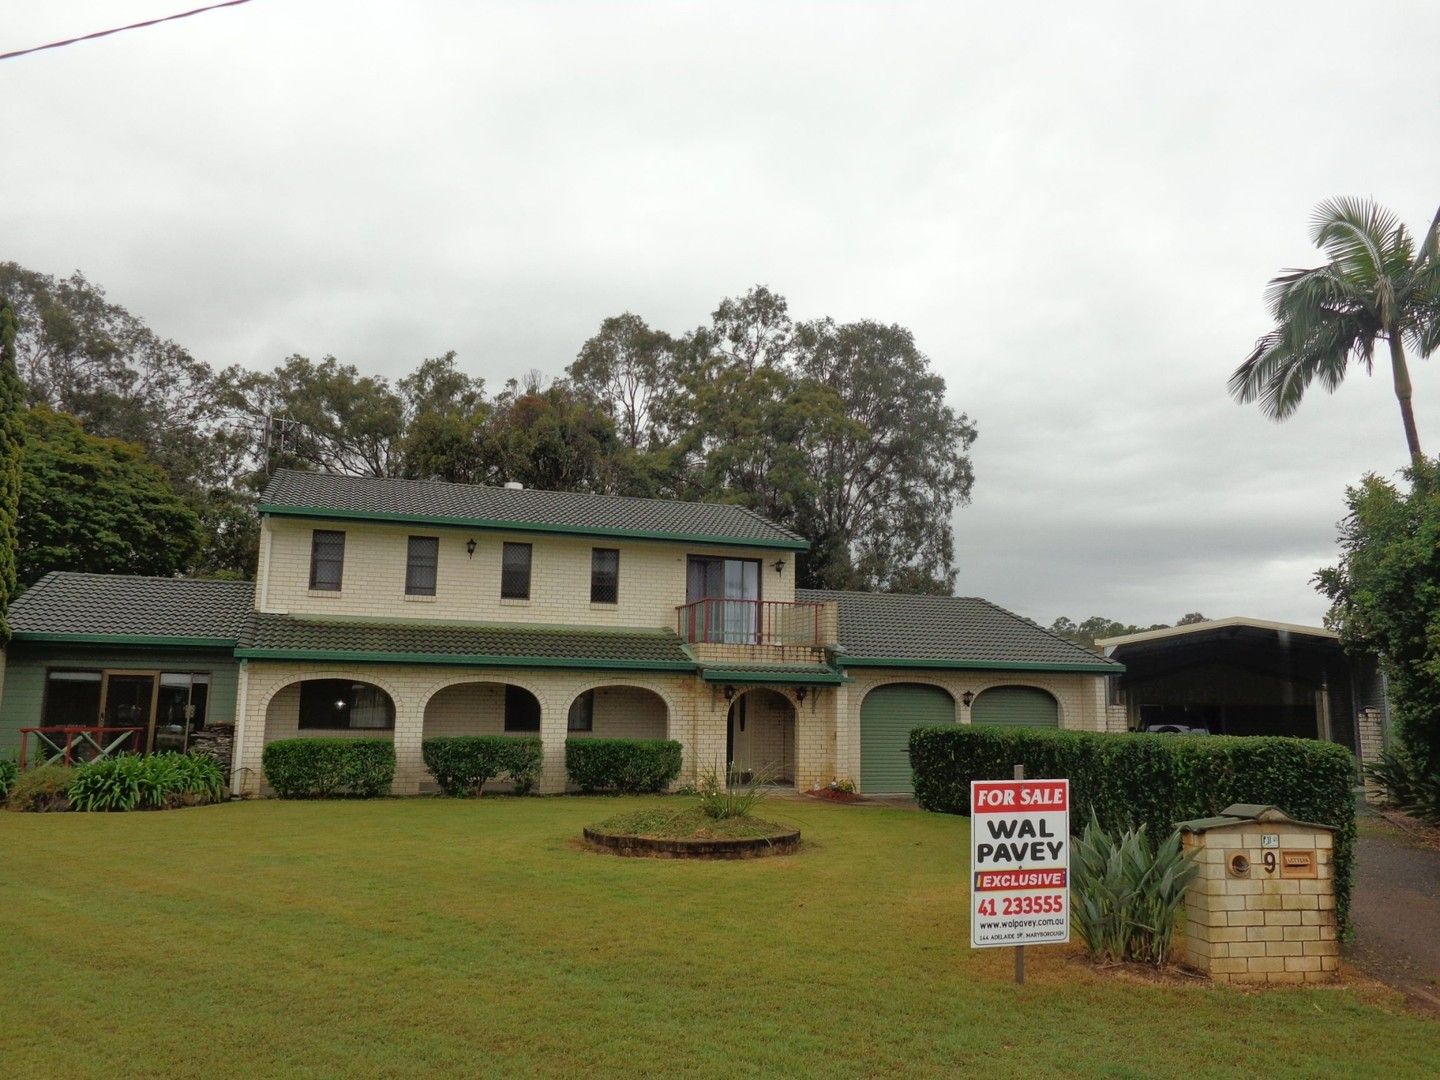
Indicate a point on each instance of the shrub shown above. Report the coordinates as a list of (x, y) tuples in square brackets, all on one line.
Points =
[(736, 796), (8, 772), (1128, 780), (42, 789), (321, 768), (629, 766), (1406, 784), (461, 764), (157, 782), (1126, 895)]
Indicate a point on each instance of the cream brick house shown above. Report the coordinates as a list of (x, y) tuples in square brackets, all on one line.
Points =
[(404, 609)]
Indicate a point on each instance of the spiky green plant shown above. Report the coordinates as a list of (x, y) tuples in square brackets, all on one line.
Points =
[(734, 796), (1125, 895)]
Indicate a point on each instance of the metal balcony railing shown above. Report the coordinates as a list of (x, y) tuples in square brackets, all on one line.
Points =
[(718, 621)]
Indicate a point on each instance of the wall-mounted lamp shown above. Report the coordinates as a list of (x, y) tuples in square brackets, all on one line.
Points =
[(800, 692), (779, 566), (967, 697), (470, 547), (729, 693)]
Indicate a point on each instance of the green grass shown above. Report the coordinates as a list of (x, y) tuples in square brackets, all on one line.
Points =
[(686, 822), (426, 936)]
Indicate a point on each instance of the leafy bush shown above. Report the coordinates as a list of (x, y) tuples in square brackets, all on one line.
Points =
[(157, 782), (736, 796), (1128, 780), (462, 764), (1125, 895), (1406, 784), (8, 772), (41, 789), (629, 766), (321, 768)]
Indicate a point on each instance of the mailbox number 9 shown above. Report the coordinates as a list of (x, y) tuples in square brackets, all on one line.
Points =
[(1269, 862)]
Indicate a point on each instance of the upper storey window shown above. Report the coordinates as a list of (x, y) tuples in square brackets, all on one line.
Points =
[(604, 576), (421, 561), (327, 560), (515, 572)]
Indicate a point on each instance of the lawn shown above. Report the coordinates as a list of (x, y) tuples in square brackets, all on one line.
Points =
[(429, 936)]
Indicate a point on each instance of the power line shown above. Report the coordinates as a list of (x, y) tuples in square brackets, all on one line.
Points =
[(120, 29)]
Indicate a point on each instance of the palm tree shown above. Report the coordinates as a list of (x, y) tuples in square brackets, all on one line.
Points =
[(1375, 286)]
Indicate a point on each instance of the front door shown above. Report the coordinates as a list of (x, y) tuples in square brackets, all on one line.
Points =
[(739, 741), (129, 701)]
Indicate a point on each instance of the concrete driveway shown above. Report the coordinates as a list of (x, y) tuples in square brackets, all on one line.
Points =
[(1396, 909)]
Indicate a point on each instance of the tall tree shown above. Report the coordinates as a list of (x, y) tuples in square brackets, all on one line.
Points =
[(1376, 285), (627, 367), (95, 504), (12, 415)]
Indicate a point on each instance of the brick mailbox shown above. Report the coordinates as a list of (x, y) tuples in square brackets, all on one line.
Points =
[(1262, 909)]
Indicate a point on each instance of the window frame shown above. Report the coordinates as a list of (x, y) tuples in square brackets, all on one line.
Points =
[(615, 573), (315, 583), (301, 725), (411, 589), (586, 697), (511, 690), (505, 549)]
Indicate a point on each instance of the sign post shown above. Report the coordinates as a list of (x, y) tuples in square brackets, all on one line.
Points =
[(1020, 864)]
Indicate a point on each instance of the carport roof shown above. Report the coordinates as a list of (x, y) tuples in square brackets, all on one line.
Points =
[(287, 637), (124, 610), (894, 630), (1209, 625)]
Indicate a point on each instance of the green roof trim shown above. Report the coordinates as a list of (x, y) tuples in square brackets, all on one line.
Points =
[(1097, 668), (791, 676), (532, 527), (126, 639), (462, 660)]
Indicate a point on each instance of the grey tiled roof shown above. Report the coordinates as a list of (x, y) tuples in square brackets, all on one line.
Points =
[(947, 629), (293, 492), (109, 605), (269, 635)]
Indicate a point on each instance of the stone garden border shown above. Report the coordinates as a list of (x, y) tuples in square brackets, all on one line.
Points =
[(748, 847)]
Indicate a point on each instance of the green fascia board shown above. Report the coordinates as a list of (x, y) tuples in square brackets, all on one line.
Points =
[(982, 665), (125, 639), (461, 660), (760, 675), (530, 526)]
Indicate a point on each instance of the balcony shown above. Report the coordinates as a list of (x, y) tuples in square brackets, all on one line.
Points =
[(775, 623)]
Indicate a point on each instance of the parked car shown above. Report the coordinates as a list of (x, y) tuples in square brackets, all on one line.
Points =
[(1176, 729)]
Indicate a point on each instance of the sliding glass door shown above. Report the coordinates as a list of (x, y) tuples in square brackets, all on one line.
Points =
[(732, 589)]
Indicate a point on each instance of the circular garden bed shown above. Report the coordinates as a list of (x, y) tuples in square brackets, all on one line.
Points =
[(690, 834)]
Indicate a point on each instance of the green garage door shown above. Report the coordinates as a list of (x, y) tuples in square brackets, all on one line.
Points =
[(1015, 706), (886, 717)]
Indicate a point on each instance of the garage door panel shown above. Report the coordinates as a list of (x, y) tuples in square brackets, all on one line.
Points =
[(887, 716), (1015, 706)]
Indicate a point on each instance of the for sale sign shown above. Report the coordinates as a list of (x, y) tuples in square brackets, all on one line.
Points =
[(1020, 858)]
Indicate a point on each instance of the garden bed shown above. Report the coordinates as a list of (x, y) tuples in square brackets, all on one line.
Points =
[(691, 834)]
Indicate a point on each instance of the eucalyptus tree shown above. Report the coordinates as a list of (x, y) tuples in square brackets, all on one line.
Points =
[(1376, 285)]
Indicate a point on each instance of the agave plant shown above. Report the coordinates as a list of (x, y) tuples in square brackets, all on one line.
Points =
[(1126, 895)]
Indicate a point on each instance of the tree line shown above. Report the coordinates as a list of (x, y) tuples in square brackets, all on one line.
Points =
[(138, 457)]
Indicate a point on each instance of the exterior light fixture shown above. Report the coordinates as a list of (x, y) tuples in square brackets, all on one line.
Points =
[(800, 692), (779, 566), (470, 547), (729, 692), (967, 697)]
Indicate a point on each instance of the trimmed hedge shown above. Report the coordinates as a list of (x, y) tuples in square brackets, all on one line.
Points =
[(629, 766), (461, 764), (321, 768), (1151, 780)]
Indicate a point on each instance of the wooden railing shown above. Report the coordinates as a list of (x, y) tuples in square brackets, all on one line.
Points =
[(67, 745), (717, 621)]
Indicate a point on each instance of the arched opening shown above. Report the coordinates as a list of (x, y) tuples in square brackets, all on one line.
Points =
[(618, 712), (760, 740), (482, 708), (337, 707), (1015, 706), (887, 716)]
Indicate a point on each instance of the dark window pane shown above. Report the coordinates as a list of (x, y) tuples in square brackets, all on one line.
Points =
[(604, 576), (327, 559), (515, 572), (420, 565), (341, 703), (72, 699), (582, 712), (522, 710)]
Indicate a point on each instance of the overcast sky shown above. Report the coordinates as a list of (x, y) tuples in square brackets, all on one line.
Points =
[(1074, 207)]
